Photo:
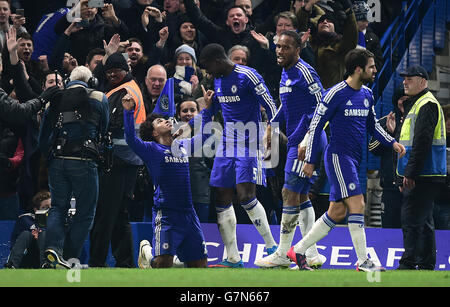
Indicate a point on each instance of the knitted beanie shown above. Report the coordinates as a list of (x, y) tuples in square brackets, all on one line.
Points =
[(116, 60), (186, 49)]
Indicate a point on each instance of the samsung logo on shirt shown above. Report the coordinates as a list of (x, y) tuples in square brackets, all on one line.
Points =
[(285, 89), (223, 99), (356, 112), (170, 159)]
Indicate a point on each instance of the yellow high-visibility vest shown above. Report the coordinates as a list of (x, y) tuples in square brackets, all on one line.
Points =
[(435, 164)]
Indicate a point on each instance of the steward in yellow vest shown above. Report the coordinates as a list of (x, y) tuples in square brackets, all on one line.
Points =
[(423, 169), (116, 188)]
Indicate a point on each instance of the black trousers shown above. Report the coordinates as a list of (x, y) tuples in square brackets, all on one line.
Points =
[(112, 222), (391, 200), (418, 226)]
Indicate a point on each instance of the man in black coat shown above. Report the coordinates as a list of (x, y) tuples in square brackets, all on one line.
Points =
[(236, 32), (13, 114), (99, 24)]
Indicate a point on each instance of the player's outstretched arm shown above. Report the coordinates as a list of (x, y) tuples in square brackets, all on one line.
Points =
[(141, 148)]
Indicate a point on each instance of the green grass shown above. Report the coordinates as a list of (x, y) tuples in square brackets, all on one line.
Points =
[(222, 278)]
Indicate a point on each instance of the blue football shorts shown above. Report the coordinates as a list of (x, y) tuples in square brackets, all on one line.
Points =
[(342, 173), (177, 232), (294, 179), (227, 172)]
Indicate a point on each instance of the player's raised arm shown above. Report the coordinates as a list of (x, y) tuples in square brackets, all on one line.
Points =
[(140, 147)]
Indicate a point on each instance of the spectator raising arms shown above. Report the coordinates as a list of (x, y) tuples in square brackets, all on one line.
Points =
[(97, 25)]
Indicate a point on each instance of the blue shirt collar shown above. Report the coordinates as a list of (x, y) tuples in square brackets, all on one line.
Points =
[(76, 82)]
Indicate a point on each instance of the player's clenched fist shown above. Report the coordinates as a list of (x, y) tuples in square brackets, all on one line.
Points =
[(128, 102)]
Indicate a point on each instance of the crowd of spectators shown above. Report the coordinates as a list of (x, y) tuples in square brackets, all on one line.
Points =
[(160, 39)]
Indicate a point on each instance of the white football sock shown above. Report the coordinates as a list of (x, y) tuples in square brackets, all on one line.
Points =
[(289, 221), (319, 230), (226, 220), (147, 251), (307, 218), (177, 263), (358, 234), (257, 215)]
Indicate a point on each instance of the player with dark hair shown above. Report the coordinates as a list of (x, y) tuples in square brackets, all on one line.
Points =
[(349, 108), (300, 92), (176, 227), (241, 92)]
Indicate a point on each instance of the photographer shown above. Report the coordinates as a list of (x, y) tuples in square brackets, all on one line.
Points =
[(70, 137), (28, 236)]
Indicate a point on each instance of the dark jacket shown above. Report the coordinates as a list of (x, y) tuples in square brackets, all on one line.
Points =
[(25, 222), (73, 132), (132, 19), (13, 112), (29, 180), (34, 70), (330, 49), (8, 175), (373, 45), (225, 37)]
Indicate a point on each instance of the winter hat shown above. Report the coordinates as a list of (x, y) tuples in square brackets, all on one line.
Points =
[(182, 19), (361, 10), (186, 49), (116, 60), (415, 71)]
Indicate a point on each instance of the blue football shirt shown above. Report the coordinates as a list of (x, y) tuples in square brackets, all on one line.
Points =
[(300, 92), (350, 113), (240, 96), (168, 165)]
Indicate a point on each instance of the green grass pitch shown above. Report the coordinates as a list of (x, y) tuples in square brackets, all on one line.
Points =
[(114, 277)]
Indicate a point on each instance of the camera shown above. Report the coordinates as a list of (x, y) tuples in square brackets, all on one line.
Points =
[(96, 3), (41, 217)]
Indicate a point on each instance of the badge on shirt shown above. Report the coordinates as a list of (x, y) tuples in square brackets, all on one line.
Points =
[(314, 88), (260, 89), (321, 109)]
